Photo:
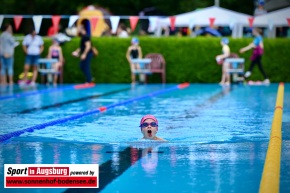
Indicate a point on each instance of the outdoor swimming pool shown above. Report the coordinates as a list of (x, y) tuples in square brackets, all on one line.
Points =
[(217, 136)]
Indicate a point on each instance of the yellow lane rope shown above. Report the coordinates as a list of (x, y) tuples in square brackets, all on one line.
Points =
[(270, 181)]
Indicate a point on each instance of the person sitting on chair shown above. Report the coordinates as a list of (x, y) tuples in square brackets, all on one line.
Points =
[(149, 127), (55, 52), (134, 52)]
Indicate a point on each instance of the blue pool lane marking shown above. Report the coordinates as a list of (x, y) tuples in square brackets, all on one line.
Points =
[(73, 101), (76, 87), (80, 115)]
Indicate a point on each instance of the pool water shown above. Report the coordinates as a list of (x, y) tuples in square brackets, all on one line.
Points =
[(217, 137)]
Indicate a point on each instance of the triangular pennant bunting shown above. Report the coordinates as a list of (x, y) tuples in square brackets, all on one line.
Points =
[(1, 20), (37, 22), (133, 22), (211, 21), (94, 21), (152, 23), (17, 21), (72, 20), (288, 20), (172, 22), (251, 21), (114, 22), (55, 21)]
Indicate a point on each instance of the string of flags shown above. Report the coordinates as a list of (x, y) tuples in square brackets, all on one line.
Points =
[(153, 21), (37, 20)]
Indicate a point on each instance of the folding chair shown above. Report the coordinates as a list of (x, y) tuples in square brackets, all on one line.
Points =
[(157, 65)]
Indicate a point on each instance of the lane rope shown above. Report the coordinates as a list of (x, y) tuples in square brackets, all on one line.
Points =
[(95, 111), (270, 181)]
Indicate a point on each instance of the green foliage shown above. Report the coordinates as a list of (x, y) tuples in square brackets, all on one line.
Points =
[(187, 59), (128, 7)]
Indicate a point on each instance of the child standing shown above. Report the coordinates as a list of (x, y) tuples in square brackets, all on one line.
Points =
[(226, 78)]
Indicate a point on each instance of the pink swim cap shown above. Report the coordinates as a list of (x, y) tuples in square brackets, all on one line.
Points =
[(148, 117)]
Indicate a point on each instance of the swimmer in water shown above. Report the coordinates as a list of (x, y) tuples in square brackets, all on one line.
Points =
[(149, 127)]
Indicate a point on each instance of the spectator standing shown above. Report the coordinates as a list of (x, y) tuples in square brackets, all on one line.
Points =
[(7, 45), (33, 47), (122, 32), (258, 51), (85, 53)]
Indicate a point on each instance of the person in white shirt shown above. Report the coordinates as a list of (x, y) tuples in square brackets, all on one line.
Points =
[(122, 32), (32, 47)]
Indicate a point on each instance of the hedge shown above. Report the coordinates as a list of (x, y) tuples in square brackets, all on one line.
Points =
[(187, 59)]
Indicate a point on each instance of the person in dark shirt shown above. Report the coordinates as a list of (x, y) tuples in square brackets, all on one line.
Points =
[(85, 53)]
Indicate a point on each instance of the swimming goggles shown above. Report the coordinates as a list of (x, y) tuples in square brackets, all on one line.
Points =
[(153, 124)]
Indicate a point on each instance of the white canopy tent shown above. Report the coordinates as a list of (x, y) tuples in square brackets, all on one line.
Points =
[(202, 17), (273, 19)]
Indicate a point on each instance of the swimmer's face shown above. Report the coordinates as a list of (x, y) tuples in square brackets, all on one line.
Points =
[(150, 131)]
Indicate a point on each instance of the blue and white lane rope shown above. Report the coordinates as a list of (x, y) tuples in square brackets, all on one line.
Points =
[(98, 110)]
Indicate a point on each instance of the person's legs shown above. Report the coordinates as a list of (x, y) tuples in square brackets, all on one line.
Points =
[(26, 67), (10, 72), (34, 76), (225, 75), (55, 79), (86, 67), (133, 76), (3, 79), (141, 75), (3, 71), (35, 68), (249, 72), (259, 63), (56, 67)]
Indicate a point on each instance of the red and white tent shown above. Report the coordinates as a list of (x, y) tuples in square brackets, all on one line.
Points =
[(209, 16), (202, 17), (223, 17)]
